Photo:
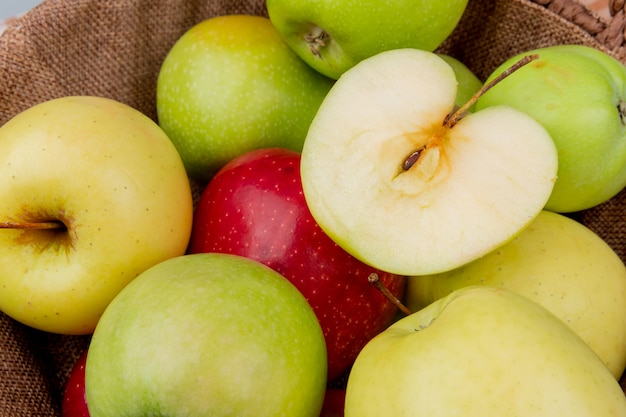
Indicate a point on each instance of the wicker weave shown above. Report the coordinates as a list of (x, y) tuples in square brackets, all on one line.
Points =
[(113, 48)]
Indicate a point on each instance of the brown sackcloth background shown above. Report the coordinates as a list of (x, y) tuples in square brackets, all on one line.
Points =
[(114, 48)]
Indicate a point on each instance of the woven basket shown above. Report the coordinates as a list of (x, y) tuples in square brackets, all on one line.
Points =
[(114, 48)]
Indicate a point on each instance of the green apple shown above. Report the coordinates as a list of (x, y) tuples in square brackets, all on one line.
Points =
[(207, 335), (481, 351), (404, 184), (229, 85), (578, 93), (560, 264), (469, 83), (334, 35), (92, 193)]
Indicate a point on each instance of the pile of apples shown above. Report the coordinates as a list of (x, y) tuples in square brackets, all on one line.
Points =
[(327, 221)]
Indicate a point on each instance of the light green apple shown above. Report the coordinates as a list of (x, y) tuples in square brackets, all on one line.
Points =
[(469, 83), (334, 35), (481, 351), (560, 264), (207, 335), (92, 193), (578, 93), (229, 85), (394, 175)]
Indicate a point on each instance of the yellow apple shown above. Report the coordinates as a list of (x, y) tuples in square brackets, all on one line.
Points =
[(560, 264), (481, 351), (92, 192)]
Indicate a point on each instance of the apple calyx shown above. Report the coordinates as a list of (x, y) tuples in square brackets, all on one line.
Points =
[(45, 225), (374, 279), (460, 112), (621, 108), (316, 39)]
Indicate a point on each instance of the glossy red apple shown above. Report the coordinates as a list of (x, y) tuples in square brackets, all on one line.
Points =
[(74, 400), (254, 207)]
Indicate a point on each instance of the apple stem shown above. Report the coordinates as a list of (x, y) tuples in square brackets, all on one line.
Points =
[(374, 279), (454, 117), (32, 225)]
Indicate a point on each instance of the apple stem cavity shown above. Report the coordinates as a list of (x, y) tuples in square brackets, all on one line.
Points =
[(48, 225), (459, 112), (374, 279), (316, 39)]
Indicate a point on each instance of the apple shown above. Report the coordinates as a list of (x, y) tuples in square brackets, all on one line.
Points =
[(468, 83), (230, 84), (207, 335), (560, 264), (92, 193), (333, 36), (578, 94), (334, 402), (254, 207), (481, 351), (409, 185), (74, 399)]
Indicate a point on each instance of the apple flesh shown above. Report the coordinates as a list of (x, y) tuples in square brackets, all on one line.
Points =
[(115, 191), (471, 185), (207, 335), (481, 351), (334, 35), (578, 94), (560, 264), (230, 84), (254, 207)]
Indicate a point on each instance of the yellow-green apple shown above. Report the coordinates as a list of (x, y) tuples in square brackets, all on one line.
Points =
[(254, 207), (560, 264), (230, 84), (481, 351), (332, 36), (92, 193), (406, 183), (74, 398), (207, 335), (578, 94)]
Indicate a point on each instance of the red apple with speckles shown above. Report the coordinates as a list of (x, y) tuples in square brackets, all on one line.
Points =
[(74, 400), (254, 207)]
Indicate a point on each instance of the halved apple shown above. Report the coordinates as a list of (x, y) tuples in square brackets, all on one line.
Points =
[(403, 183)]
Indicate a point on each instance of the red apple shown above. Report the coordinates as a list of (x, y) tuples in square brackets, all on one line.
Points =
[(334, 403), (74, 400), (254, 207)]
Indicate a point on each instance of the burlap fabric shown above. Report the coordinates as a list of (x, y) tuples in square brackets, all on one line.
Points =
[(114, 48)]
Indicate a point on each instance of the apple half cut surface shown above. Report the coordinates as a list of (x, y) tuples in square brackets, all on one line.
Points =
[(404, 187)]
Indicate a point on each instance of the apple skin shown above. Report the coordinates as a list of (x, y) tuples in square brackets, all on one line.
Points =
[(74, 398), (254, 207), (481, 351), (334, 403), (229, 85), (578, 94), (560, 264), (115, 181), (207, 335), (357, 30)]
